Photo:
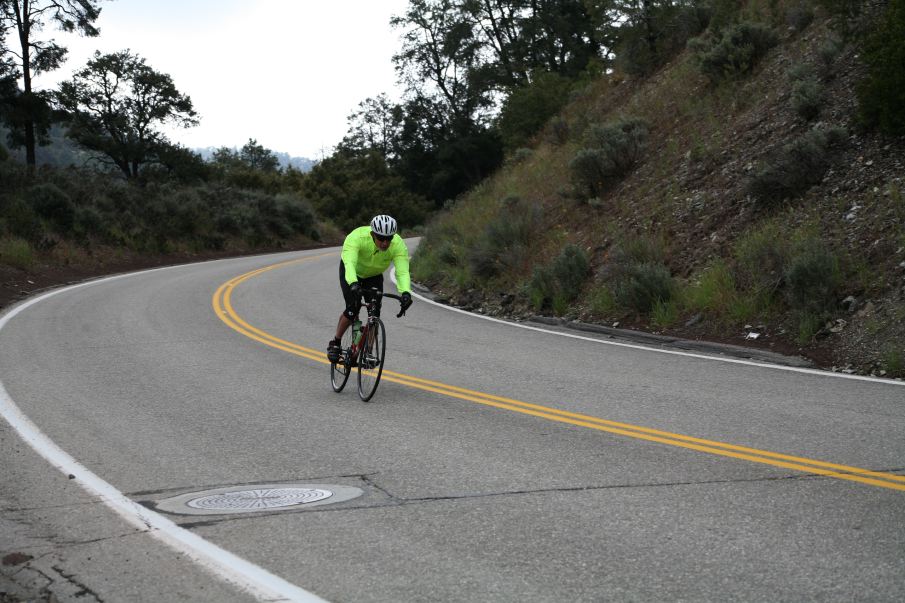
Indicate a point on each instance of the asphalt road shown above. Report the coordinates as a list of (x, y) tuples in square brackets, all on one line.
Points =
[(496, 463)]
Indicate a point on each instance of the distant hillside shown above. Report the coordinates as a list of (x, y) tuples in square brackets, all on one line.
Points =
[(62, 152), (302, 164), (752, 210)]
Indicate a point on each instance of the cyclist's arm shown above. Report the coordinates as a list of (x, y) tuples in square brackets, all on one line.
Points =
[(401, 263), (350, 257)]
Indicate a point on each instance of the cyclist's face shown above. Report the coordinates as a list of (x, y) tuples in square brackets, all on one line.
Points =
[(381, 243)]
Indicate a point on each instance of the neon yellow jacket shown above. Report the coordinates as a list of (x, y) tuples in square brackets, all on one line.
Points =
[(362, 258)]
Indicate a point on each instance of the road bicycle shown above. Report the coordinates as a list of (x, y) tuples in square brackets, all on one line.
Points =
[(363, 349)]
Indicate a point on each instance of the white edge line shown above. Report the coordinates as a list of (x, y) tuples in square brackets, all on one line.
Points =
[(225, 565), (636, 346)]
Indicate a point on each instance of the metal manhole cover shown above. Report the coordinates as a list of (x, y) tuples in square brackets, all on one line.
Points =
[(267, 498), (259, 497)]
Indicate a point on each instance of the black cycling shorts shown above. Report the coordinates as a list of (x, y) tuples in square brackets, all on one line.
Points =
[(352, 307)]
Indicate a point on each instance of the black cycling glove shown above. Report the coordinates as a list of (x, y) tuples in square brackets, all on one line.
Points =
[(406, 300)]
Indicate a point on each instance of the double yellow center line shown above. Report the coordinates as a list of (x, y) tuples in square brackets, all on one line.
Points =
[(222, 305)]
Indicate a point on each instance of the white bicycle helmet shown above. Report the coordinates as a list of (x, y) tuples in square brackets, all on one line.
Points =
[(383, 225)]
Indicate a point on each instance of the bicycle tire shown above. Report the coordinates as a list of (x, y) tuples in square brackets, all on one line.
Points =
[(370, 360), (340, 371)]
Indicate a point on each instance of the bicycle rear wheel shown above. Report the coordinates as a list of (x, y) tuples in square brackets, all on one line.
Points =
[(339, 371), (370, 361)]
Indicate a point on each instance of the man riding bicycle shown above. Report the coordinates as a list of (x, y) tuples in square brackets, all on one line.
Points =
[(367, 253)]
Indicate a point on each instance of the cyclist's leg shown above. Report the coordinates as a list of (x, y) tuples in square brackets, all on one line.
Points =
[(374, 282), (351, 300)]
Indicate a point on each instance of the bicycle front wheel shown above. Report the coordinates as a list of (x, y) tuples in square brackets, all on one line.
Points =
[(339, 371), (370, 360)]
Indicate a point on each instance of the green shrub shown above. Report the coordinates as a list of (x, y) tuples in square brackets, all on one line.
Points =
[(571, 268), (588, 171), (22, 221), (87, 223), (651, 37), (892, 359), (528, 108), (664, 313), (712, 291), (17, 253), (641, 286), (795, 167), (541, 287), (761, 256), (800, 15), (558, 131), (561, 282), (505, 238), (882, 94), (807, 92), (53, 205), (809, 323), (638, 250), (733, 52), (611, 151), (812, 278), (602, 300), (827, 53)]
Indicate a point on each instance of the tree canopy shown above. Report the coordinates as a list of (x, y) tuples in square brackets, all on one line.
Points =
[(115, 106), (28, 112)]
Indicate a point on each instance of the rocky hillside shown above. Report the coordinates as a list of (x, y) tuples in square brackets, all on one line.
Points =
[(706, 200)]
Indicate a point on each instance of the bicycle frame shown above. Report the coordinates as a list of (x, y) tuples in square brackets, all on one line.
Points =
[(367, 354), (370, 305)]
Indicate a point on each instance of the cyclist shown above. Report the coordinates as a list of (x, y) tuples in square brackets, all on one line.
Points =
[(367, 253)]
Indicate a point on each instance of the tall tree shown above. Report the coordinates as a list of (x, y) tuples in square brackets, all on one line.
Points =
[(374, 126), (115, 106), (29, 114), (439, 58), (256, 157)]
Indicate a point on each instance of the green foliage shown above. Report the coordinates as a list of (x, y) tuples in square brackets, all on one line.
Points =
[(122, 122), (611, 151), (52, 204), (558, 132), (21, 220), (807, 95), (812, 278), (733, 52), (602, 301), (16, 252), (640, 287), (882, 95), (847, 13), (800, 15), (892, 360), (527, 108), (88, 209), (713, 290), (809, 323), (638, 250), (351, 189), (505, 239), (760, 259), (655, 31), (664, 314), (560, 283), (827, 52), (795, 168)]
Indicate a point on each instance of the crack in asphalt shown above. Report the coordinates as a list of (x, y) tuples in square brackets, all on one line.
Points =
[(399, 501)]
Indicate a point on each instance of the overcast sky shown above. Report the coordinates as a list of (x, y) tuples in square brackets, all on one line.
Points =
[(285, 72)]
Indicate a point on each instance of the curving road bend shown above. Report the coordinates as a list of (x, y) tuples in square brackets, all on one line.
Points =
[(495, 463)]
